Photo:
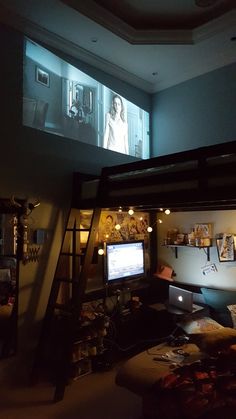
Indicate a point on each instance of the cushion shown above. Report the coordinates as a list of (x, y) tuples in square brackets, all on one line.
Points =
[(218, 300), (215, 341), (199, 325)]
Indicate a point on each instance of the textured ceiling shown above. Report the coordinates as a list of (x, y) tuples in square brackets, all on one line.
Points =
[(150, 59)]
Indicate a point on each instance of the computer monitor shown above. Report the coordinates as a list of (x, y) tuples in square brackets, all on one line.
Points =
[(125, 261)]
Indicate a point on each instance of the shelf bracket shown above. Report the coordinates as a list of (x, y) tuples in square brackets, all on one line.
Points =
[(176, 252), (207, 251)]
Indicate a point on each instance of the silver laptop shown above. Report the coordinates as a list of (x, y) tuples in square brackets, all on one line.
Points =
[(181, 301)]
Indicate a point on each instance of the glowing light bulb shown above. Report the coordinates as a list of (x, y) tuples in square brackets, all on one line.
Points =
[(149, 229), (100, 251), (167, 211), (159, 221), (131, 211), (107, 235), (161, 209), (117, 226)]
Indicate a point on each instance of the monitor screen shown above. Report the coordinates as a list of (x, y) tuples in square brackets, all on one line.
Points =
[(125, 260), (60, 99)]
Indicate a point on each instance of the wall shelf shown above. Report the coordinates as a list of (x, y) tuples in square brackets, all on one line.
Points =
[(177, 246)]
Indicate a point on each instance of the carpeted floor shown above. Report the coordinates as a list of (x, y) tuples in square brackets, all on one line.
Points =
[(94, 396)]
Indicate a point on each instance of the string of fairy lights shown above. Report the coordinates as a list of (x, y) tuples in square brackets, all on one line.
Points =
[(131, 212)]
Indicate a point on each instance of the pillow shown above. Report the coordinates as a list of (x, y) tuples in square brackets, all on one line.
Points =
[(215, 341), (218, 300), (199, 325)]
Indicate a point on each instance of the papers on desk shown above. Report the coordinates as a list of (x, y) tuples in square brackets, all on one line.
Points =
[(174, 357)]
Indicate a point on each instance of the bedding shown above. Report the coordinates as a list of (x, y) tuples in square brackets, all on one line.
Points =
[(211, 343), (203, 384), (199, 325), (193, 390)]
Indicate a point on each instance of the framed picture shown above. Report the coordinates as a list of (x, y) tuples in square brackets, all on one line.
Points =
[(203, 230), (226, 248), (42, 77)]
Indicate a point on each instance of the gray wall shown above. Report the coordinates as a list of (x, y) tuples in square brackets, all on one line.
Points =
[(34, 164), (32, 156), (196, 113), (37, 165), (190, 262)]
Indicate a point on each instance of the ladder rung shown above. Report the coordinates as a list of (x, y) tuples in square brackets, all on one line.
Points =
[(67, 280), (63, 326), (78, 229), (72, 254), (63, 307)]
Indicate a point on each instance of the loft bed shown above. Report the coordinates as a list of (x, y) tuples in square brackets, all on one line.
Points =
[(199, 179)]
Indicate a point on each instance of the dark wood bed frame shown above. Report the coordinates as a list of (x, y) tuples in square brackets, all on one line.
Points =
[(199, 179)]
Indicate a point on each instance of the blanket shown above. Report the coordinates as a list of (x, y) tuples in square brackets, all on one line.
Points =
[(192, 390)]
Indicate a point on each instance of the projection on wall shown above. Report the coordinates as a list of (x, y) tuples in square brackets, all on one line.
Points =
[(60, 99)]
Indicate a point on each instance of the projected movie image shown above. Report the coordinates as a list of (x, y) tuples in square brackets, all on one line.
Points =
[(125, 260), (60, 99)]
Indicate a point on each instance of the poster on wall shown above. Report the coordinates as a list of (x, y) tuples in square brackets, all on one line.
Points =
[(226, 248), (60, 99), (120, 226)]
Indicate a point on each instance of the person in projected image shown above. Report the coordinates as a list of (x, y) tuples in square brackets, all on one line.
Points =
[(116, 128)]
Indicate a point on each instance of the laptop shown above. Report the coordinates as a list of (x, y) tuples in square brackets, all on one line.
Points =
[(181, 301)]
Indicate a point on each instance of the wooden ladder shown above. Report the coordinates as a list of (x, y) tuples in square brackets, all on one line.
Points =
[(61, 321)]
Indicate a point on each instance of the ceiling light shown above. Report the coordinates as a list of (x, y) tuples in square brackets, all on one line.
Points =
[(100, 251), (131, 211), (117, 226), (149, 229), (167, 211)]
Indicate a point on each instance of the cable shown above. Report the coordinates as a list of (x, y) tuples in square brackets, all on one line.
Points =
[(118, 346), (164, 339)]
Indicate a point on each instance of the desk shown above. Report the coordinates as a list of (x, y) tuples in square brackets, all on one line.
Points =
[(140, 328)]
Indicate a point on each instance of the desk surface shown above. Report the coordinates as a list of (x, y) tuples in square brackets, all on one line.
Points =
[(175, 310)]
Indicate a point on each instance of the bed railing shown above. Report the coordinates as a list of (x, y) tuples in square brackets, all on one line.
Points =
[(204, 178)]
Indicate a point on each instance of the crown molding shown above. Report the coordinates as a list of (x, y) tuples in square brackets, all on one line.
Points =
[(134, 36), (218, 25), (51, 39), (120, 28)]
